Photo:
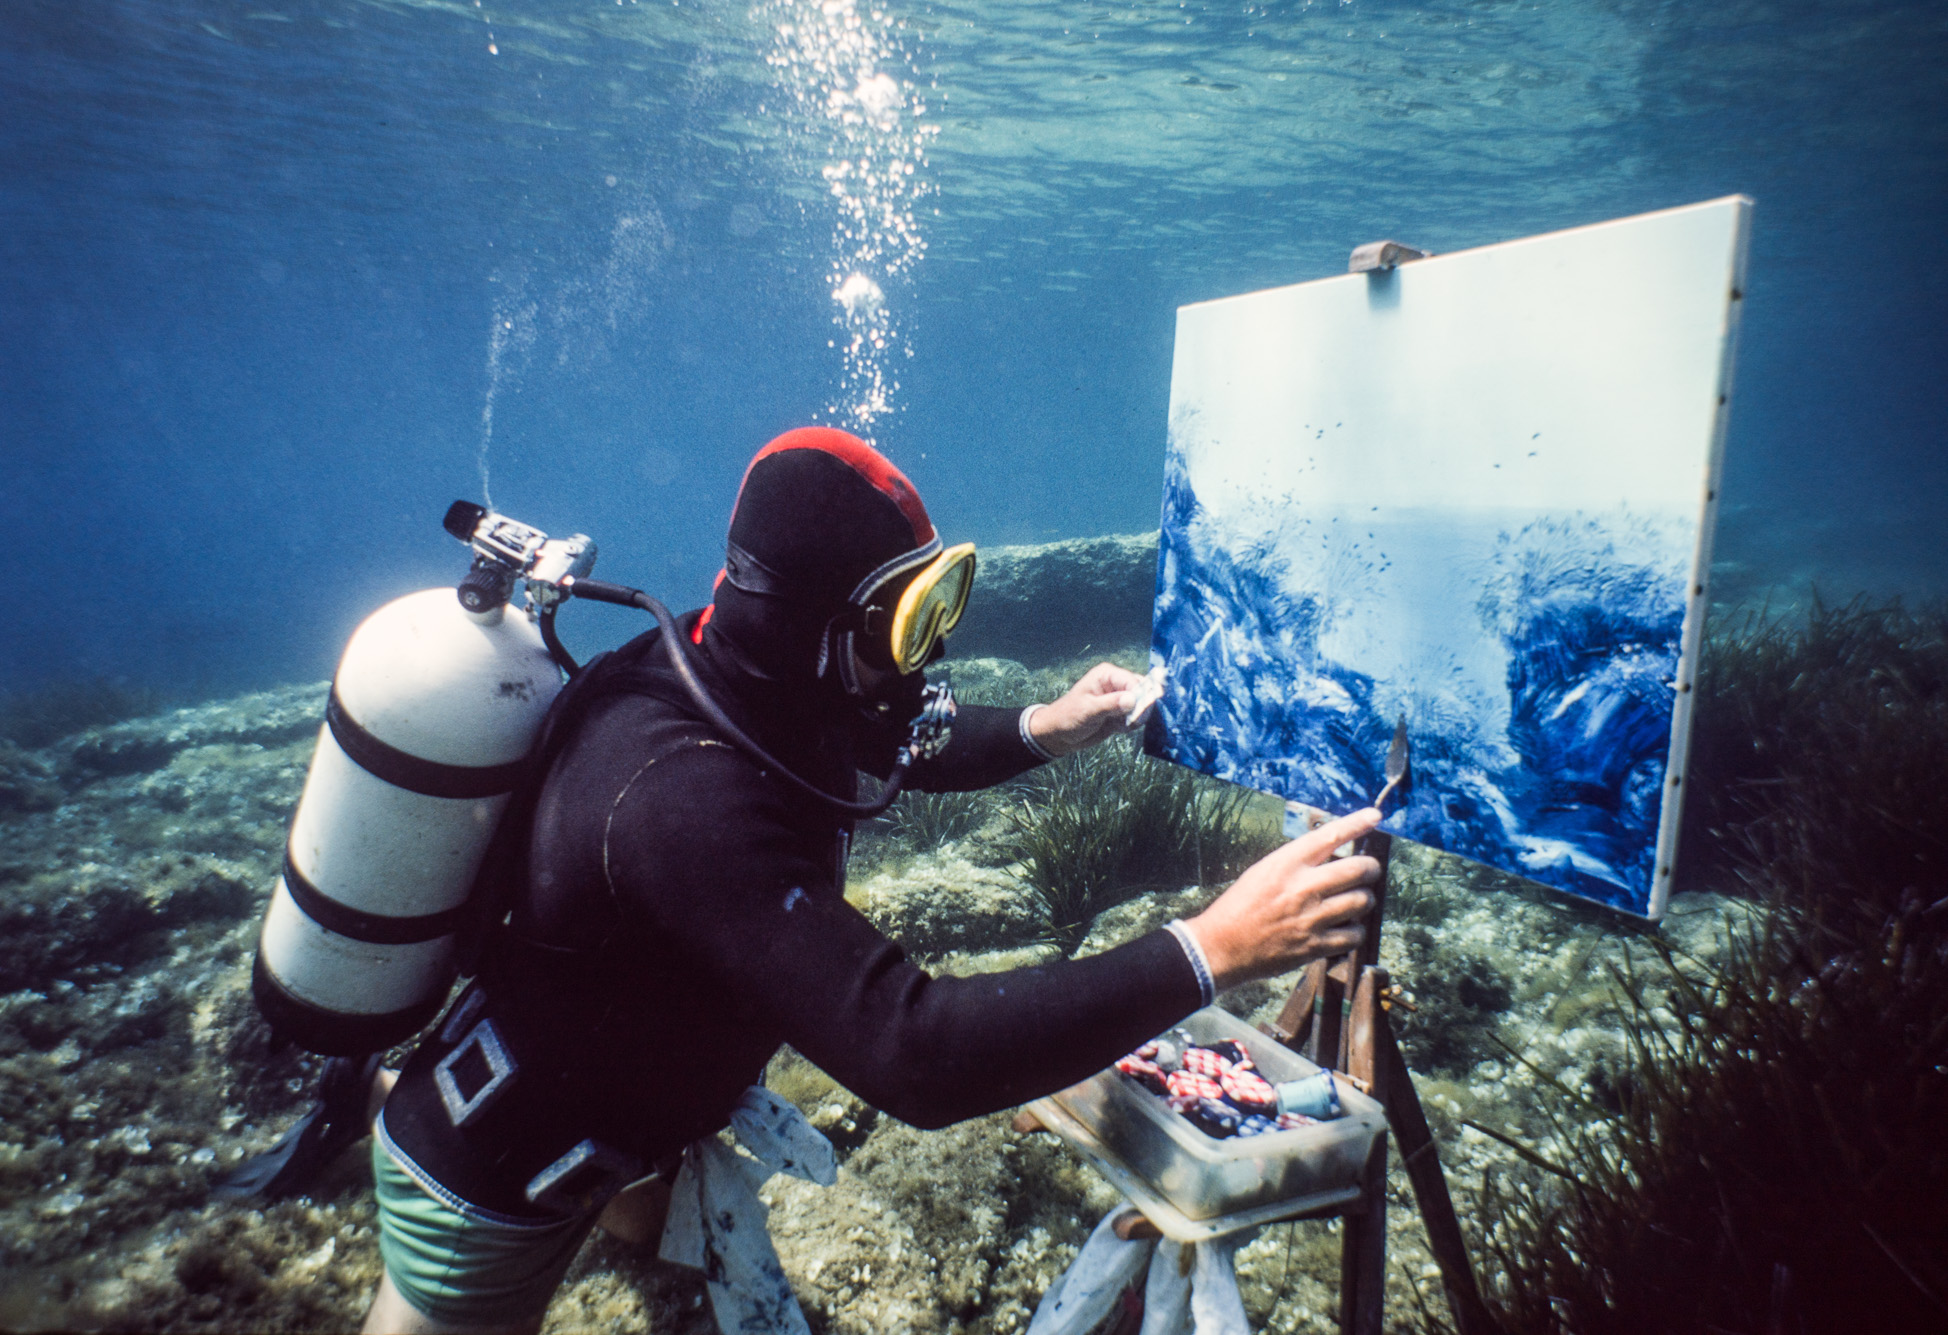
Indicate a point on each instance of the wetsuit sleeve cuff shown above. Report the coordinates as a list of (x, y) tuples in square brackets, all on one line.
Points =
[(1028, 738), (1206, 986)]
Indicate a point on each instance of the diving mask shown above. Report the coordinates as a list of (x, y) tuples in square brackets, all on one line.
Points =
[(930, 607)]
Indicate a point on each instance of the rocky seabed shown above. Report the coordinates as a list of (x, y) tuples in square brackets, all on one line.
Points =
[(136, 858)]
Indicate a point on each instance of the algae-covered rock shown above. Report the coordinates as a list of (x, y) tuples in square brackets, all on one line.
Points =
[(944, 904), (97, 920), (990, 681), (27, 781), (1145, 913), (128, 912), (1044, 603), (96, 886), (264, 718)]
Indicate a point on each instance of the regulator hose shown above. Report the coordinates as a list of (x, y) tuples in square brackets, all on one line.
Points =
[(556, 649), (622, 595)]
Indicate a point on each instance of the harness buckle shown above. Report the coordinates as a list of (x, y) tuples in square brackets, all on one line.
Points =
[(585, 1177)]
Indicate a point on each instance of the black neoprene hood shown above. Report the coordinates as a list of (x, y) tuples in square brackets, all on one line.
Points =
[(820, 514)]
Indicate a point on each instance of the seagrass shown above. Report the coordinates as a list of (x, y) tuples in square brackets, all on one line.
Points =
[(1775, 1161), (1096, 829)]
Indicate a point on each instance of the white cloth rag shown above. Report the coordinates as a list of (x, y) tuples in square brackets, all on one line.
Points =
[(1190, 1288), (718, 1225)]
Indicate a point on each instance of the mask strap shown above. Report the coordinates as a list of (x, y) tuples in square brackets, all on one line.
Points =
[(842, 644), (746, 572), (835, 651)]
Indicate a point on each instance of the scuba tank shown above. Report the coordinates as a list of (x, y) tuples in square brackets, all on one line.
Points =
[(433, 716), (433, 710)]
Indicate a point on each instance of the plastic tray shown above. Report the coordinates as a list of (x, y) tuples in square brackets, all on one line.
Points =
[(1193, 1186)]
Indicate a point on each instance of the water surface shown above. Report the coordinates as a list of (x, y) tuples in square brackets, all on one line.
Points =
[(279, 280)]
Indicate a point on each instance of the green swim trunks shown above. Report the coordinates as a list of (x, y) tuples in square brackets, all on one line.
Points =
[(453, 1267)]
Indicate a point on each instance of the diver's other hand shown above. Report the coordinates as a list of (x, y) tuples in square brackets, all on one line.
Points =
[(1092, 710), (1294, 905)]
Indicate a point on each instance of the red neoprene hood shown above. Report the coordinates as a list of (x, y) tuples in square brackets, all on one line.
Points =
[(796, 456)]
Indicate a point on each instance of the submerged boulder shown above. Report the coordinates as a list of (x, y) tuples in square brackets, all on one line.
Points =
[(271, 718), (1047, 602), (943, 903), (26, 781)]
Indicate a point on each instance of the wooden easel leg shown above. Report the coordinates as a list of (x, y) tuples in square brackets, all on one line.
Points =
[(1409, 1123), (1363, 1250), (1294, 1024), (1336, 1018), (1329, 1015)]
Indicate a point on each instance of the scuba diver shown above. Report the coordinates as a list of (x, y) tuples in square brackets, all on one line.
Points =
[(670, 910)]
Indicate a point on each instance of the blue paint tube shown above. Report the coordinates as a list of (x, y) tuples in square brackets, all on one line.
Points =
[(1316, 1096)]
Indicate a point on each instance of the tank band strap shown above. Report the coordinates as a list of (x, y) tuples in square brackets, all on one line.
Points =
[(375, 929), (429, 778)]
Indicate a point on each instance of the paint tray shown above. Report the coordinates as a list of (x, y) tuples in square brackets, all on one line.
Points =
[(1192, 1186)]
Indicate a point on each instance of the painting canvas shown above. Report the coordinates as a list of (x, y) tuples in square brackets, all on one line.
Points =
[(1474, 493)]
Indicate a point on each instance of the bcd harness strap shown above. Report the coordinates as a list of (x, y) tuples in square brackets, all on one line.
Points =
[(429, 778), (505, 864), (378, 929)]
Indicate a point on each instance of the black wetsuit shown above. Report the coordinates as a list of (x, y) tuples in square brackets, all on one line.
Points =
[(683, 915)]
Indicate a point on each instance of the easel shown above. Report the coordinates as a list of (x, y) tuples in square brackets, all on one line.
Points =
[(1337, 1018)]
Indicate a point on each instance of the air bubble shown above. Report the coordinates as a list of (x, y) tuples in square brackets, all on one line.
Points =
[(855, 121)]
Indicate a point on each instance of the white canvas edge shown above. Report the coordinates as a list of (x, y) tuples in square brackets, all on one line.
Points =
[(1691, 642), (1744, 202)]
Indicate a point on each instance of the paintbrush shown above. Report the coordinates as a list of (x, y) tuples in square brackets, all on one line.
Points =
[(1399, 763)]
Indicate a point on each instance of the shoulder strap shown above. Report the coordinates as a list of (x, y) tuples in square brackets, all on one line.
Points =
[(503, 871)]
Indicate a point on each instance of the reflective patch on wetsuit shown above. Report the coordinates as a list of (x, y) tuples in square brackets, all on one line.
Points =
[(474, 1074), (794, 897)]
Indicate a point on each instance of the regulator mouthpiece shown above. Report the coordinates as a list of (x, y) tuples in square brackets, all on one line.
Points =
[(506, 550)]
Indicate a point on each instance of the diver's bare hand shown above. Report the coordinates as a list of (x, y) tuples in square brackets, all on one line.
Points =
[(1294, 905), (1092, 711)]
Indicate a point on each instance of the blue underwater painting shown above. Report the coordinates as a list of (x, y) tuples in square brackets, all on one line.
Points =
[(1471, 495)]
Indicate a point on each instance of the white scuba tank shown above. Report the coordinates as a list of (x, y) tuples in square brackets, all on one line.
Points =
[(432, 710)]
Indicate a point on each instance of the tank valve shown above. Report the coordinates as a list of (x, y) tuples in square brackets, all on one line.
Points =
[(506, 550)]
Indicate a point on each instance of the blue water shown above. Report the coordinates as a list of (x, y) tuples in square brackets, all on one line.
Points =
[(278, 279)]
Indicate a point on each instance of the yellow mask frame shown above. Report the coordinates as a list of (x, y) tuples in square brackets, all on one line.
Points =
[(930, 607)]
